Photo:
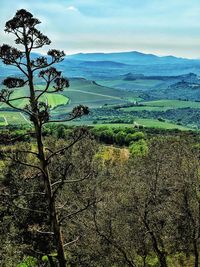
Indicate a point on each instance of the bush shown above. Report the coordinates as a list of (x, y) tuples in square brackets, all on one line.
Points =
[(139, 148)]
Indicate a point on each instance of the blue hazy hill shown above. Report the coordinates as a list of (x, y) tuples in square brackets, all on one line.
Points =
[(108, 65), (132, 58)]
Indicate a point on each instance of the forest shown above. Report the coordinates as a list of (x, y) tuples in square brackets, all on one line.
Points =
[(101, 196), (118, 206)]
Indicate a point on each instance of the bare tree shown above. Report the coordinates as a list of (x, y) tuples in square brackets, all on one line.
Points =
[(23, 27)]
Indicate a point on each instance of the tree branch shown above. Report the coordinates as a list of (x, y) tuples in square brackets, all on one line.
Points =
[(89, 204), (112, 242), (46, 233), (10, 105), (71, 242), (27, 209), (64, 120), (19, 137), (72, 181), (26, 164), (19, 98), (28, 152), (44, 67), (65, 148)]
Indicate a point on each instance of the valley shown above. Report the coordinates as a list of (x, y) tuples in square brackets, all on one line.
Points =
[(121, 88)]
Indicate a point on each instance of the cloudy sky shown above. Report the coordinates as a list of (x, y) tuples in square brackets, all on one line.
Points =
[(161, 27)]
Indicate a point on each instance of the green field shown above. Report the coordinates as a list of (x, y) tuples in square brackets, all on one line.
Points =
[(90, 94), (172, 104), (95, 96), (53, 99), (12, 118), (152, 123), (130, 84)]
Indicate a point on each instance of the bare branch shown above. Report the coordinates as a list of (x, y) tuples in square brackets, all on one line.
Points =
[(28, 152), (19, 137), (77, 112), (73, 181), (26, 164), (45, 90), (46, 233), (44, 67), (65, 148), (71, 242), (17, 64), (32, 210), (89, 204), (14, 107), (62, 180), (63, 120), (19, 98)]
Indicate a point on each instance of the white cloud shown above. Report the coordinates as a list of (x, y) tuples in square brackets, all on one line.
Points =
[(73, 8)]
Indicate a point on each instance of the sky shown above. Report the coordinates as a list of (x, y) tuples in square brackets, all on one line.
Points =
[(161, 27)]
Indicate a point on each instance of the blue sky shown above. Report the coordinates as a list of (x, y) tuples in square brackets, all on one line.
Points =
[(161, 27)]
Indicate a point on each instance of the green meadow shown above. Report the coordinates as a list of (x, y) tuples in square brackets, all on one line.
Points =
[(172, 104)]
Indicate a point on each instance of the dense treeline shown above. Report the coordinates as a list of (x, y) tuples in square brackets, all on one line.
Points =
[(187, 116), (183, 116), (138, 211)]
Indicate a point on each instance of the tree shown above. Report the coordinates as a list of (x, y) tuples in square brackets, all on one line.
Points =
[(23, 27)]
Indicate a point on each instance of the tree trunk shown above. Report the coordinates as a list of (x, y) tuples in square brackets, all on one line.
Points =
[(196, 253), (53, 218)]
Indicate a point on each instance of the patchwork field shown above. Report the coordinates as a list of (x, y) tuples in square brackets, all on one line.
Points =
[(53, 99), (12, 118), (110, 105)]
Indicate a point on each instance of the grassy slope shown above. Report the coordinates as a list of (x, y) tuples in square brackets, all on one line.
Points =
[(172, 104), (53, 98), (152, 123), (125, 84), (88, 93)]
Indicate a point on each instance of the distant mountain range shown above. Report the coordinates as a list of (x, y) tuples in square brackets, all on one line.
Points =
[(108, 65), (132, 58)]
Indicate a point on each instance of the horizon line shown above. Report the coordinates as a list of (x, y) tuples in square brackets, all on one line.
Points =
[(70, 53)]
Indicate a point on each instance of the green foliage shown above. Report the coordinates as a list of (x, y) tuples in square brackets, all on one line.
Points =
[(124, 188), (134, 137), (28, 262), (120, 138), (139, 148), (152, 261)]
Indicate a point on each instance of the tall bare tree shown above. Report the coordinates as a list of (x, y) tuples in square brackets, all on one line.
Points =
[(28, 37)]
